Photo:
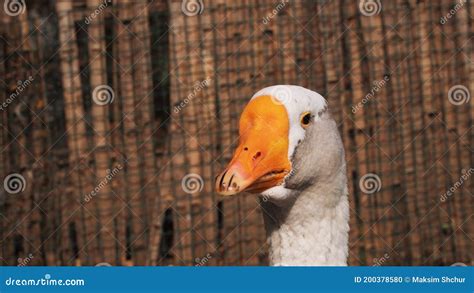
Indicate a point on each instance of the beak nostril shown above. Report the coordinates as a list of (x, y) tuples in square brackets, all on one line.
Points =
[(246, 148), (257, 155)]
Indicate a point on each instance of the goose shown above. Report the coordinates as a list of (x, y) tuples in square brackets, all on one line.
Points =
[(290, 153)]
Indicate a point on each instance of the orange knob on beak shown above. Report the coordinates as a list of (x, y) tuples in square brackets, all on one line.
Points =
[(261, 159)]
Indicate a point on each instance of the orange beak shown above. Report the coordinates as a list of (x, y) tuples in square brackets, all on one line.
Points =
[(261, 159)]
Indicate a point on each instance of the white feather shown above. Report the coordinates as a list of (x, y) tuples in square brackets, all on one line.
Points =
[(309, 226)]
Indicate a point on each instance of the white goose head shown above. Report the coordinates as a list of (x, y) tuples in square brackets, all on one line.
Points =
[(290, 152)]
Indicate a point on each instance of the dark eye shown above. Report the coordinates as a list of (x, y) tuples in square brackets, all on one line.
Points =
[(305, 119)]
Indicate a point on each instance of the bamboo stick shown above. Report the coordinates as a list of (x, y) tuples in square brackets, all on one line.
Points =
[(356, 79), (136, 195), (77, 142), (100, 114)]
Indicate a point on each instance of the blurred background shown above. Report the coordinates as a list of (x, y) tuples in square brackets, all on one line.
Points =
[(117, 115)]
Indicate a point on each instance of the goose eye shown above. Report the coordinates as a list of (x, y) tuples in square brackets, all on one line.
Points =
[(305, 119)]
